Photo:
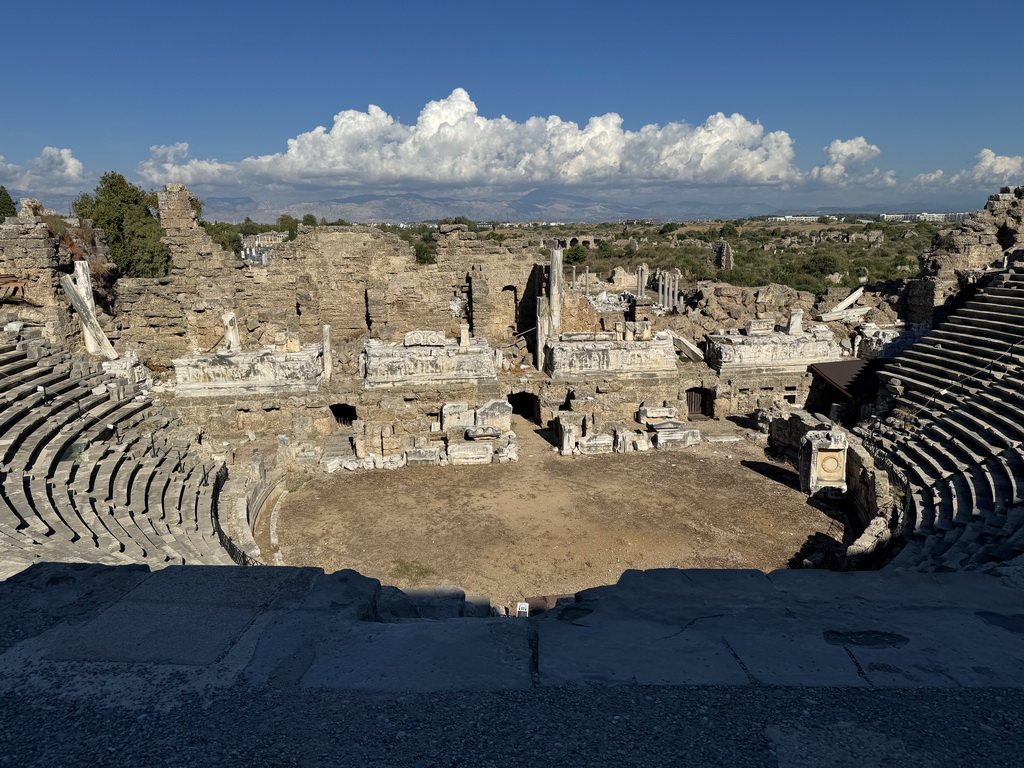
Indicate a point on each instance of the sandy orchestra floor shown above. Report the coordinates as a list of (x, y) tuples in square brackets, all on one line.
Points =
[(550, 524)]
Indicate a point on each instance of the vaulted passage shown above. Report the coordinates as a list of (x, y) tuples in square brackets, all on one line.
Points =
[(344, 413), (526, 405)]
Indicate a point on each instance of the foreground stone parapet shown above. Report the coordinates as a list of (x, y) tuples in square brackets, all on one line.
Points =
[(293, 629)]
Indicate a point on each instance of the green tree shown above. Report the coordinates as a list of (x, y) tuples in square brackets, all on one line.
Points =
[(577, 254), (7, 207), (127, 215), (309, 220), (249, 227), (289, 224), (225, 235)]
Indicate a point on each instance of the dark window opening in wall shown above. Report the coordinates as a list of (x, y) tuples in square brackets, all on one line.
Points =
[(567, 403), (791, 399), (744, 391), (298, 310), (366, 306), (767, 389), (344, 414), (527, 405), (1006, 237), (791, 389), (573, 242), (515, 304)]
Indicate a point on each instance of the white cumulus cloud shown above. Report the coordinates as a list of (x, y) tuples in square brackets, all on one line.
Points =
[(54, 170), (452, 144), (930, 179), (852, 162), (991, 169)]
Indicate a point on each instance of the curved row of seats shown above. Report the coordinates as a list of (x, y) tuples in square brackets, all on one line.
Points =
[(90, 470), (957, 431)]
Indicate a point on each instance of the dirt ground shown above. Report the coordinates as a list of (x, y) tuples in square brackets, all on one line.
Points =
[(550, 524)]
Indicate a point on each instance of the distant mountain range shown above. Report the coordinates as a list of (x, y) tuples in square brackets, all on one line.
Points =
[(538, 205)]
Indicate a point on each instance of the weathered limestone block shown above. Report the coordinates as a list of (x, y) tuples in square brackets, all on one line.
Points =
[(457, 416), (391, 365), (624, 437), (593, 444), (777, 352), (823, 461), (648, 415), (570, 429), (264, 371), (422, 457), (760, 327), (575, 359), (795, 324), (670, 439), (470, 453), (424, 339), (495, 413), (482, 433), (506, 450)]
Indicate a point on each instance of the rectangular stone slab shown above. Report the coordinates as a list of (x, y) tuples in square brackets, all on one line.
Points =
[(473, 654), (470, 453), (188, 615)]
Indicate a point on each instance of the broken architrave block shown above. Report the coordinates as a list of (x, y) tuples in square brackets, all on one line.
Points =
[(592, 444), (482, 433), (470, 453), (422, 457), (687, 349), (495, 413), (671, 439), (653, 415), (457, 415)]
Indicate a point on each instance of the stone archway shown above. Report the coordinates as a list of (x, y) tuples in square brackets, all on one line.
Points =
[(527, 405)]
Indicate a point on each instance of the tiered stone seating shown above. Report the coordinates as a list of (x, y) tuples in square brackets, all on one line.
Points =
[(88, 472), (957, 432)]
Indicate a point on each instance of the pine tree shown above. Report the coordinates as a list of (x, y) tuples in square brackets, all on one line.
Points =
[(7, 207), (126, 213)]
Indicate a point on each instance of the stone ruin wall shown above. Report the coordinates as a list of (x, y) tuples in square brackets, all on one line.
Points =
[(365, 283), (31, 252), (980, 242), (358, 280)]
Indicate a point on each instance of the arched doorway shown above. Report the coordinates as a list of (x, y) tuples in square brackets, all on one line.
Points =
[(527, 405)]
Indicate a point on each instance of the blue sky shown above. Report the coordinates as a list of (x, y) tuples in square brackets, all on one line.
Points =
[(820, 102)]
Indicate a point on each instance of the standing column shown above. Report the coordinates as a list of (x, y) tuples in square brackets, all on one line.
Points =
[(328, 360), (555, 293), (83, 282)]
